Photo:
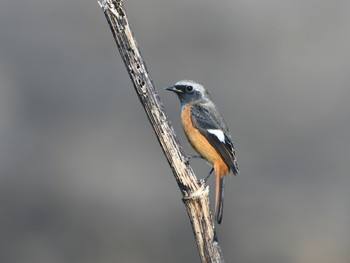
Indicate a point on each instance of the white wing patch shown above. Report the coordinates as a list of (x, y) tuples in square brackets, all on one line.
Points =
[(218, 133)]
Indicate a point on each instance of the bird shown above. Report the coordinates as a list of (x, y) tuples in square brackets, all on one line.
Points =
[(208, 134)]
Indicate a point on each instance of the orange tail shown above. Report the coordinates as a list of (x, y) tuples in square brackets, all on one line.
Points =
[(219, 198)]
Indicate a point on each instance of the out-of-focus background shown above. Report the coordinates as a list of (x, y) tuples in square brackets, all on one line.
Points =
[(82, 177)]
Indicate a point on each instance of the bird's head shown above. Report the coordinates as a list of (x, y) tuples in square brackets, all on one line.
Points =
[(190, 91)]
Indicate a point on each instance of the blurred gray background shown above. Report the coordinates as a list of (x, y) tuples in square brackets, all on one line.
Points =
[(82, 176)]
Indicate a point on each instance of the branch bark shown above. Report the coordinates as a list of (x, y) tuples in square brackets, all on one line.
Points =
[(195, 194)]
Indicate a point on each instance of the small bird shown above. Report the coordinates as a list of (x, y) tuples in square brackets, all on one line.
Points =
[(208, 134)]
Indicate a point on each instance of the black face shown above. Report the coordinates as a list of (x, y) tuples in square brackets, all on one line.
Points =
[(186, 93)]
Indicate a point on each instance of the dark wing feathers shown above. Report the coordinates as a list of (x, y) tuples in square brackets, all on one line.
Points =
[(203, 120)]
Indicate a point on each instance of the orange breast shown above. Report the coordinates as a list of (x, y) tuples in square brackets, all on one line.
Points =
[(201, 144)]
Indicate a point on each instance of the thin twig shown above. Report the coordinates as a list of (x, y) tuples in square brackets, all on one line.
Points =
[(195, 194)]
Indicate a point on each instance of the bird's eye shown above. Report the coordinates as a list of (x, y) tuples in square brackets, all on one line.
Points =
[(189, 88)]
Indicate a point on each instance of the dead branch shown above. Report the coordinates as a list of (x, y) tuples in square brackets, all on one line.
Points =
[(195, 194)]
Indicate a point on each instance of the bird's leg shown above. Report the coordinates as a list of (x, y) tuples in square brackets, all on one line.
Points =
[(204, 181), (191, 156), (206, 178), (195, 156)]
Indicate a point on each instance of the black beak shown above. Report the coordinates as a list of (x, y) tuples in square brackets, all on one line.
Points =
[(173, 89)]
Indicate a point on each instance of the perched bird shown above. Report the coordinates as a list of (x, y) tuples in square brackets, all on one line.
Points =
[(208, 134)]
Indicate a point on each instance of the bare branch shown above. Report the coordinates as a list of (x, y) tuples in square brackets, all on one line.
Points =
[(195, 194)]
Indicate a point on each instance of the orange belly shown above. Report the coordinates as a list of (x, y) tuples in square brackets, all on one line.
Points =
[(201, 145)]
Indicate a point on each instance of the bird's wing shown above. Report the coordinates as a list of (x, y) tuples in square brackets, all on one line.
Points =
[(215, 131)]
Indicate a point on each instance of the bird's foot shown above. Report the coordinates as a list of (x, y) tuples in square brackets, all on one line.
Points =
[(201, 181)]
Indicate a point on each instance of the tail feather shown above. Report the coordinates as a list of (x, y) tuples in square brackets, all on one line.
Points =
[(219, 198)]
